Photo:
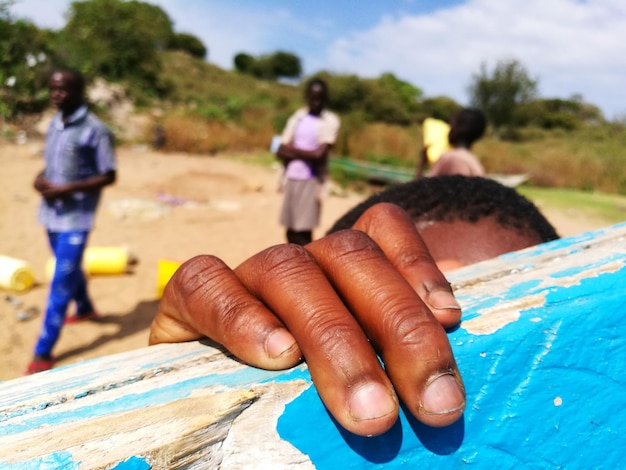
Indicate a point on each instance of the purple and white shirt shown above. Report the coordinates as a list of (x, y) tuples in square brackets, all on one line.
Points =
[(307, 132), (75, 150), (305, 138)]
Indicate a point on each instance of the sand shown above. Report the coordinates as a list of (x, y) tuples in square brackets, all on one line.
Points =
[(163, 206)]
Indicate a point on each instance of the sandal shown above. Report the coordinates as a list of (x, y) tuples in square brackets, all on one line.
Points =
[(39, 366), (80, 318)]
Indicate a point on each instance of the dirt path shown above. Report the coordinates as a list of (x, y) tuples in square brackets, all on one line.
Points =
[(164, 206)]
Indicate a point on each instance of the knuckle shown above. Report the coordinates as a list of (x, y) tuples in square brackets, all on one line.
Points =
[(352, 242), (284, 261), (331, 332), (234, 322), (197, 275), (412, 329), (201, 281), (414, 258)]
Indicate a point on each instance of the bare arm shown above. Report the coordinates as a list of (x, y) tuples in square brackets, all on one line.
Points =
[(287, 152), (52, 191)]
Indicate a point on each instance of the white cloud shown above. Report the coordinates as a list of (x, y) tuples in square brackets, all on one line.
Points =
[(571, 46)]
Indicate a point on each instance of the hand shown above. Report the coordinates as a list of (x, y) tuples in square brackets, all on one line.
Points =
[(52, 191), (336, 302), (49, 190), (288, 152)]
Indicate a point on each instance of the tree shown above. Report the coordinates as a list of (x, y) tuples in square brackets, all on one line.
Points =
[(391, 100), (384, 99), (24, 62), (188, 43), (244, 62), (556, 113), (285, 64), (406, 92), (500, 94), (270, 66), (439, 107), (116, 39), (4, 8), (347, 92)]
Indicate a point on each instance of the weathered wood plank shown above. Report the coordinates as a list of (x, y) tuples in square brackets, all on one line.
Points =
[(540, 349)]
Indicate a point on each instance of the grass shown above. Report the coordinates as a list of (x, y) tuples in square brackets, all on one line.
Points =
[(609, 207), (586, 159)]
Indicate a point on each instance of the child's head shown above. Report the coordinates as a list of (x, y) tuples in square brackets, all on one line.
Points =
[(316, 94), (466, 127), (463, 219)]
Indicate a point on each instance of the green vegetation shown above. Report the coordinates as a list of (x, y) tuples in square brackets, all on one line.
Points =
[(280, 64), (608, 207), (590, 158), (501, 94), (205, 109)]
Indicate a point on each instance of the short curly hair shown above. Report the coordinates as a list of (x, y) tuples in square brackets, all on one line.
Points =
[(455, 197), (468, 125)]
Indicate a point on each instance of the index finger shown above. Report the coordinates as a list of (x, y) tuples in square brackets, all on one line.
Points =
[(410, 256)]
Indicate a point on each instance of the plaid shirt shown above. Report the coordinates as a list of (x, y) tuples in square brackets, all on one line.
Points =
[(78, 149)]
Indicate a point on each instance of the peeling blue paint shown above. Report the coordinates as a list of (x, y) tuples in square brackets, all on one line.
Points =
[(242, 378), (58, 460), (546, 391), (541, 394), (133, 463)]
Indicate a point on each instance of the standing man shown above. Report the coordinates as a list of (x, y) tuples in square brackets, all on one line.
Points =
[(306, 142), (79, 162)]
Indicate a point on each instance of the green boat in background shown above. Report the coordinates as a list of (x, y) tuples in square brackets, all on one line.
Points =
[(389, 174)]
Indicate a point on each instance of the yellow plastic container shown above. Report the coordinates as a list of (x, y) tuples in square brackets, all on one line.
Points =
[(106, 260), (99, 260), (435, 133), (165, 270), (15, 274)]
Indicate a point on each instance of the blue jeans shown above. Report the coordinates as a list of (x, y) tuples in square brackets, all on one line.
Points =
[(68, 283)]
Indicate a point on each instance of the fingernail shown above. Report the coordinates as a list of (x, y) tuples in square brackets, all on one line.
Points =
[(443, 396), (442, 299), (279, 342), (371, 401)]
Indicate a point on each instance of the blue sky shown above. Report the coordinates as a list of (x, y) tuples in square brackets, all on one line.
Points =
[(570, 46)]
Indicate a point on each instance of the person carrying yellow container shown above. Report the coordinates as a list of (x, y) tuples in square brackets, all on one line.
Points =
[(79, 161), (466, 127)]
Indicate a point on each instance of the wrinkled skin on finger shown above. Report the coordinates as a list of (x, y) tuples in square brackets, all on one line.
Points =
[(206, 298), (392, 229), (337, 303)]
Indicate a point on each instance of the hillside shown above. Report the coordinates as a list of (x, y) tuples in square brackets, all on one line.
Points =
[(210, 110), (207, 110)]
